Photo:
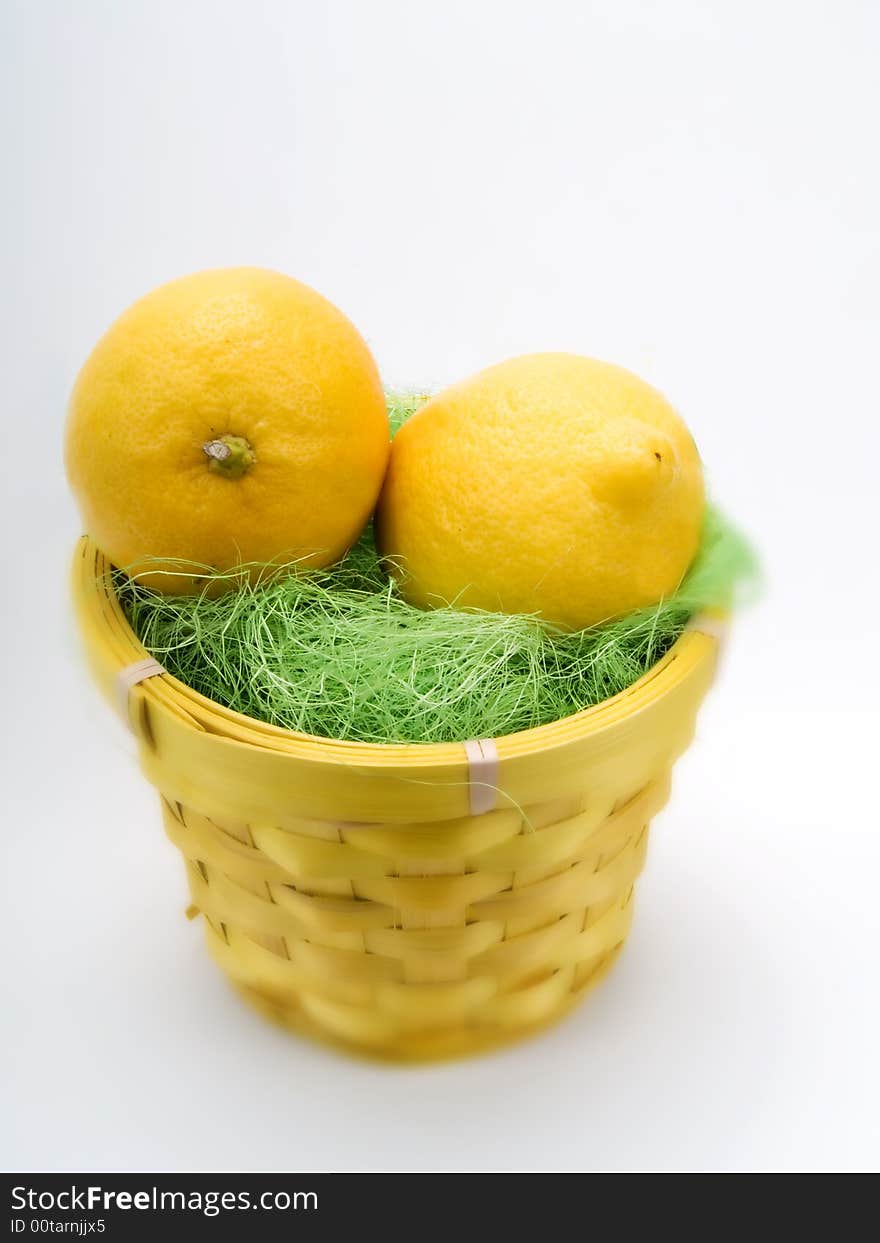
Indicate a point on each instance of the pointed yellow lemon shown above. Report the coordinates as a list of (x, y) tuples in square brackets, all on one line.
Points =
[(550, 484)]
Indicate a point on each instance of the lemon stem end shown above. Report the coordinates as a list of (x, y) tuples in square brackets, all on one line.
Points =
[(231, 456)]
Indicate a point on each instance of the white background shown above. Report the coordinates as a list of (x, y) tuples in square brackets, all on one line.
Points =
[(690, 189)]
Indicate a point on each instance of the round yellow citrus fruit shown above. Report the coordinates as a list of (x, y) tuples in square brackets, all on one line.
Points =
[(550, 484), (231, 416)]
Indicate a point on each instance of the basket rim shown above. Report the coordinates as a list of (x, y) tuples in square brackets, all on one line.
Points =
[(94, 595)]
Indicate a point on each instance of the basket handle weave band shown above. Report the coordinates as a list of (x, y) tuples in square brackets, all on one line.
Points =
[(482, 753), (128, 678), (482, 756)]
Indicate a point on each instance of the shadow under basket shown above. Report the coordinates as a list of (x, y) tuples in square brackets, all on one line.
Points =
[(413, 900)]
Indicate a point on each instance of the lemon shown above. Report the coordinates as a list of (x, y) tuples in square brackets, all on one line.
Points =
[(550, 484), (231, 416)]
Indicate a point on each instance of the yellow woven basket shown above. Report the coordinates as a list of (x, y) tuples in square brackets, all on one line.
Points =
[(413, 900)]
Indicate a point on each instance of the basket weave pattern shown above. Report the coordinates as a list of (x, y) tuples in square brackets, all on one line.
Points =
[(349, 892), (408, 936)]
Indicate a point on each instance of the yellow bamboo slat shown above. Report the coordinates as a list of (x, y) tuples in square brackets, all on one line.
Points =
[(346, 889)]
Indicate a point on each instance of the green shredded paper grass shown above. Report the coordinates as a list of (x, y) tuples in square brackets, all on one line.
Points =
[(338, 653)]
